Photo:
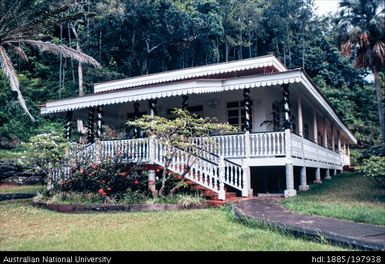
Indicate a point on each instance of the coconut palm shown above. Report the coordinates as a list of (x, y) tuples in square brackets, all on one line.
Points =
[(361, 27), (22, 24)]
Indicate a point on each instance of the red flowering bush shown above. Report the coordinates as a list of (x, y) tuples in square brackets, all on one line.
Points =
[(107, 179)]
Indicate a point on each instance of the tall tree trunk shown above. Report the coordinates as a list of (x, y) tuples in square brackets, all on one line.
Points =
[(72, 61), (100, 45), (80, 68), (61, 61), (80, 74), (379, 103)]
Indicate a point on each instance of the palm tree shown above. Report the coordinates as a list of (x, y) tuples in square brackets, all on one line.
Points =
[(361, 28), (22, 25)]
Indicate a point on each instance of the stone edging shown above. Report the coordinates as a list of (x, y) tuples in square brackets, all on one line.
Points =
[(12, 196), (84, 208)]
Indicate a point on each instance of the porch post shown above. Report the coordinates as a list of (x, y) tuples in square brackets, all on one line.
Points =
[(300, 118), (184, 102), (315, 135), (315, 129), (333, 138), (328, 177), (90, 126), (69, 126), (303, 186), (136, 110), (246, 101), (99, 117), (348, 153), (152, 105), (325, 134), (290, 191), (318, 175)]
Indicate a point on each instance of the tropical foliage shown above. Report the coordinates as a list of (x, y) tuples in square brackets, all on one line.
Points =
[(22, 25), (133, 37), (361, 26), (375, 169), (44, 152)]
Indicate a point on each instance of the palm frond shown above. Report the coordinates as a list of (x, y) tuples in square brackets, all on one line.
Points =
[(363, 58), (10, 73), (10, 11), (63, 50), (19, 51), (379, 54), (346, 48)]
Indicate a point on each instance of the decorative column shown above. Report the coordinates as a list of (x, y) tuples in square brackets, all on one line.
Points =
[(152, 105), (184, 102), (99, 121), (90, 126), (247, 102), (303, 186), (290, 191), (247, 125), (69, 125), (315, 135)]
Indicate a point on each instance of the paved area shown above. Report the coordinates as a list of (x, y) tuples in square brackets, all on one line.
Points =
[(342, 232)]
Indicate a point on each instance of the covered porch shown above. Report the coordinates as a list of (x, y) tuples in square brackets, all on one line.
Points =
[(283, 121)]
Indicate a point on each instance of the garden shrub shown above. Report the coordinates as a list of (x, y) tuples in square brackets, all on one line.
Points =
[(374, 168)]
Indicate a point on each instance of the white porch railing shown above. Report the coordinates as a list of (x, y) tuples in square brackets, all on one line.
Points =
[(203, 172), (305, 149), (211, 167), (131, 150), (237, 146)]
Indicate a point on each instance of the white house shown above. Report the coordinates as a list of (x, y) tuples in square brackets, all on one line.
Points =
[(288, 135)]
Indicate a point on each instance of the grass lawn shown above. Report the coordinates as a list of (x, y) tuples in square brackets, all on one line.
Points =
[(8, 188), (24, 227), (348, 196)]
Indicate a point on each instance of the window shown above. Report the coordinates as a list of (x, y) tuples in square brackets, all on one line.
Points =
[(236, 114)]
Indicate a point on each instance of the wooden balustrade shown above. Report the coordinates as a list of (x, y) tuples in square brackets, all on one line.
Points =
[(313, 152), (210, 165), (234, 146)]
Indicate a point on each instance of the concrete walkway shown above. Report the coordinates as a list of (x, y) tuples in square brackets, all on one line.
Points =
[(342, 232)]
